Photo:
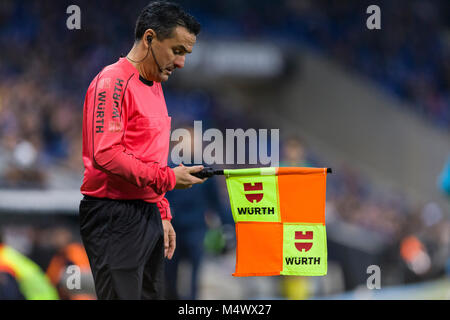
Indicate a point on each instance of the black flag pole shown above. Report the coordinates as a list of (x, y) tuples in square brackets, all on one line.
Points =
[(208, 172)]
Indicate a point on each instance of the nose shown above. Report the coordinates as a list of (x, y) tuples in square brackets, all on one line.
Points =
[(179, 62)]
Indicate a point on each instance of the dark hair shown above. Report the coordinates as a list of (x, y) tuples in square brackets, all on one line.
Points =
[(163, 17)]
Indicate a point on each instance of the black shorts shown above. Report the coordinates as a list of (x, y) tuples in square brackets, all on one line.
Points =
[(124, 241)]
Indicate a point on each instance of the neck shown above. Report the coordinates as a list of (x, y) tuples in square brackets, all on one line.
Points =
[(137, 53)]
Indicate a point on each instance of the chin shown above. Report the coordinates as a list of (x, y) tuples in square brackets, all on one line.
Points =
[(163, 78)]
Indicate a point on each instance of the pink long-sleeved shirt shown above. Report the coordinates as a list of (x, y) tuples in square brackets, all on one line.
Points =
[(126, 134)]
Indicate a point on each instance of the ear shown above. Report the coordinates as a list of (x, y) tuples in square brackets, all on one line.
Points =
[(148, 37)]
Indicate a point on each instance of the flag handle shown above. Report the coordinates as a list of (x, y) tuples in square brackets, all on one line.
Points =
[(208, 172)]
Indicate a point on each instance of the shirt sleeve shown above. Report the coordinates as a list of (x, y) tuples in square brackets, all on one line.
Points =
[(164, 209), (109, 154)]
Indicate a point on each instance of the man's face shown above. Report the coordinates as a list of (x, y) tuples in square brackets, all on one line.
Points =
[(171, 53)]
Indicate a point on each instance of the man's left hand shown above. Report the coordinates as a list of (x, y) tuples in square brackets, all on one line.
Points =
[(169, 239)]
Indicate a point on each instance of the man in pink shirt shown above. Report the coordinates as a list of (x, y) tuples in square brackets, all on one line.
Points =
[(125, 220)]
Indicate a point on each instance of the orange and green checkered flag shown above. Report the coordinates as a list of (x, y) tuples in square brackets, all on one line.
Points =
[(280, 220)]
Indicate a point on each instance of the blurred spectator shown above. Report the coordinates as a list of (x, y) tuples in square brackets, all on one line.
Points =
[(190, 209), (444, 178), (9, 284), (293, 153), (70, 254), (33, 283), (426, 250)]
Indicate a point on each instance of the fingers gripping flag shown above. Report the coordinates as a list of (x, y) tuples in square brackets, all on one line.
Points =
[(280, 220)]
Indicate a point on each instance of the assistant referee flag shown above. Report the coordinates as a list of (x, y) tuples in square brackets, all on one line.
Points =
[(280, 220)]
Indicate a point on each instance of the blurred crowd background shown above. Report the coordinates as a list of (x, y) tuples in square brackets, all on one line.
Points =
[(45, 70)]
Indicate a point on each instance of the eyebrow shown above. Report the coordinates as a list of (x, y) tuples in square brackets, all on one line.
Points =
[(182, 48)]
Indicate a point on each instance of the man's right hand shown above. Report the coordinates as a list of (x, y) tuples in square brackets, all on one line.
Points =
[(184, 178)]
